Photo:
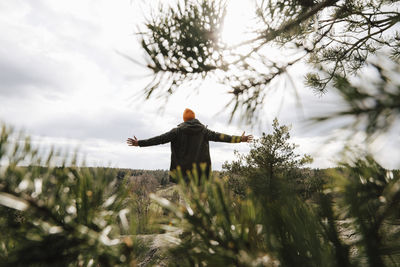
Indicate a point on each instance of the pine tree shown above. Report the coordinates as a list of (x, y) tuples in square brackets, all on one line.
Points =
[(272, 160), (334, 38)]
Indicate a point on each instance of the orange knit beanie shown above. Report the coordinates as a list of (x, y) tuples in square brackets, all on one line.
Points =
[(188, 115)]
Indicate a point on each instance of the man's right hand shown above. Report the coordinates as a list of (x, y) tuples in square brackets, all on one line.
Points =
[(132, 141)]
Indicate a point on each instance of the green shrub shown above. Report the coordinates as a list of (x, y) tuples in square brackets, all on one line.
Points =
[(54, 213)]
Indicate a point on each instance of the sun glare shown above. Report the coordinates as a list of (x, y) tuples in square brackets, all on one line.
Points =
[(238, 22)]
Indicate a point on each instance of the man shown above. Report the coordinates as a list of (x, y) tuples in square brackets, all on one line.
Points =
[(189, 145)]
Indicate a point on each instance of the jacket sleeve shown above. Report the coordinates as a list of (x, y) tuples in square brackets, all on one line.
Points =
[(220, 137), (158, 140)]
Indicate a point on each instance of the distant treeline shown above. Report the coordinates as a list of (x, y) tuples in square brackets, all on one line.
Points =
[(159, 176), (306, 181)]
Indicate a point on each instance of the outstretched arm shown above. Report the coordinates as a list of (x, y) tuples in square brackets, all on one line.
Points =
[(220, 137), (161, 139)]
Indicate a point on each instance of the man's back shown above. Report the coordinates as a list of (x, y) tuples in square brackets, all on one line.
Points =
[(190, 147)]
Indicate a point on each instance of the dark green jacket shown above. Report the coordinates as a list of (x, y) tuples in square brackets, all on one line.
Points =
[(189, 145)]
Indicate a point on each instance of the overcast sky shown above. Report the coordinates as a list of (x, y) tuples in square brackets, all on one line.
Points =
[(63, 80)]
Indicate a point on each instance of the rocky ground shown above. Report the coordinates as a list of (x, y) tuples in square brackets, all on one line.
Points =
[(158, 244)]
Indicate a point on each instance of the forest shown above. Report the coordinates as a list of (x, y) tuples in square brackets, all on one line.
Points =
[(265, 208)]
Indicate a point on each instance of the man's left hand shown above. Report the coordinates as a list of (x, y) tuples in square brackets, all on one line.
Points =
[(133, 141)]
